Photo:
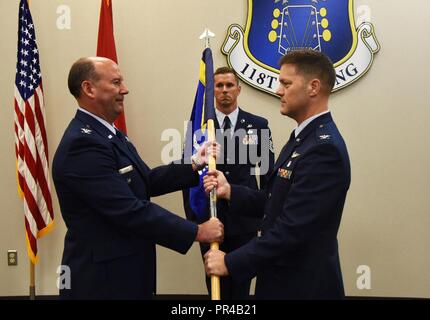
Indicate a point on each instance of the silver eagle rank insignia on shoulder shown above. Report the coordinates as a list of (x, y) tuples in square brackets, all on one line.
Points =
[(325, 137), (86, 130)]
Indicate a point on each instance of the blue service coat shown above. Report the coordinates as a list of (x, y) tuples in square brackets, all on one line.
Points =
[(104, 190), (296, 256)]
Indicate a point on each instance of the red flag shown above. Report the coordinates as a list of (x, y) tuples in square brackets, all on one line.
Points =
[(106, 46), (31, 146)]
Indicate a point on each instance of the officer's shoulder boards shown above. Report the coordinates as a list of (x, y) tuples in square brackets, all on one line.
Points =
[(323, 135)]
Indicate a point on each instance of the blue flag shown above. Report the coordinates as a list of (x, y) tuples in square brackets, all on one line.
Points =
[(203, 110)]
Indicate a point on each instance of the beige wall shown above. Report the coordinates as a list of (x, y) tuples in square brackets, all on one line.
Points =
[(382, 117)]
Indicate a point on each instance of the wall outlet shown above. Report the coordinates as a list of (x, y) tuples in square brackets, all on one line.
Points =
[(12, 258)]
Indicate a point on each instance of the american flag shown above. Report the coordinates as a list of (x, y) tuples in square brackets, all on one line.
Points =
[(31, 145)]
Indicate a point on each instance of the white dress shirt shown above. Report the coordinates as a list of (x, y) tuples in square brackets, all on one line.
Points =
[(307, 121), (232, 116), (102, 121)]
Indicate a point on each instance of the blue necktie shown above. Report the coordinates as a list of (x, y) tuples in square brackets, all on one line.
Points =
[(227, 123), (228, 142), (121, 136), (292, 136)]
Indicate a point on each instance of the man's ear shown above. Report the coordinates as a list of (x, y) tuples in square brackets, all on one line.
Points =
[(87, 88), (314, 87)]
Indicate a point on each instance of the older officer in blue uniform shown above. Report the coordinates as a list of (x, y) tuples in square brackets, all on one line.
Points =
[(104, 190), (296, 256), (246, 142)]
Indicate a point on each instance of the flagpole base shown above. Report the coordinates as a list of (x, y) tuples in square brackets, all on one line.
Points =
[(32, 293)]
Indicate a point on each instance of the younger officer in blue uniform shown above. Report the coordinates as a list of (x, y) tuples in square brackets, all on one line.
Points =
[(104, 190), (296, 256)]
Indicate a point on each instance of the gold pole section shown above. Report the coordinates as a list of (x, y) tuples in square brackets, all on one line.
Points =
[(215, 282)]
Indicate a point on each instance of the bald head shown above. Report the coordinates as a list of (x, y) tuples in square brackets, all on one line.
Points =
[(82, 70), (98, 86)]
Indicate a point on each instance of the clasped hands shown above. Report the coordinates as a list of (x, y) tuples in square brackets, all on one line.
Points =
[(200, 159), (213, 229), (214, 259)]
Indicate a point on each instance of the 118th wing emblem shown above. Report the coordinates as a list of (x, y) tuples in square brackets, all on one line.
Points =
[(300, 26), (275, 28)]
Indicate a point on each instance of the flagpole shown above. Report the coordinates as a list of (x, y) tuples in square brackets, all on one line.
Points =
[(32, 287), (215, 281), (32, 281)]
